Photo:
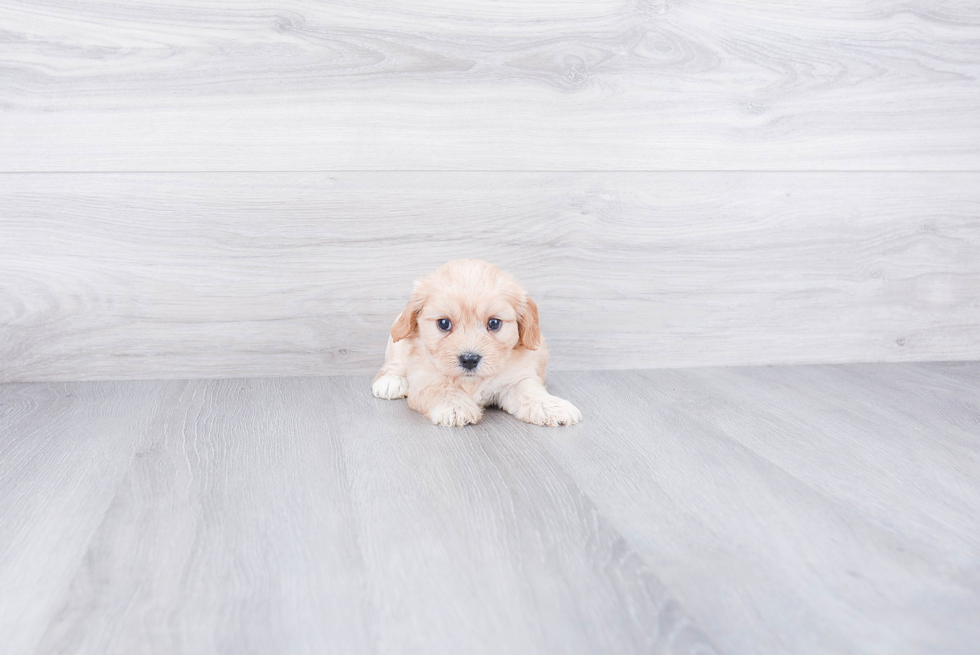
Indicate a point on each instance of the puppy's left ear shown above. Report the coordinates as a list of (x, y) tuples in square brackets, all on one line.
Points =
[(527, 325)]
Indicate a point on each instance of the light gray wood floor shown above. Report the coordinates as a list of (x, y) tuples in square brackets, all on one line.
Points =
[(796, 509)]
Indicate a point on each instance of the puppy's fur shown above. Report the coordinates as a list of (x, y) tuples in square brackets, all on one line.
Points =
[(423, 362)]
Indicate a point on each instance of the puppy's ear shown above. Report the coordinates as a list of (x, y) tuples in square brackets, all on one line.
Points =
[(527, 325), (407, 322)]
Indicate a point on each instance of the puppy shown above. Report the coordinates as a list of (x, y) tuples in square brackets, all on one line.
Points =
[(467, 339)]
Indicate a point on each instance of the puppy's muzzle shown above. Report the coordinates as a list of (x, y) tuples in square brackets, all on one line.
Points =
[(469, 361)]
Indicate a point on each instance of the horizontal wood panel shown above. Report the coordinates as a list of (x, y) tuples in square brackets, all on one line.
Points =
[(600, 85), (202, 275)]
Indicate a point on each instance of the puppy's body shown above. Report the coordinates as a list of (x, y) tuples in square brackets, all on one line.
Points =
[(467, 339)]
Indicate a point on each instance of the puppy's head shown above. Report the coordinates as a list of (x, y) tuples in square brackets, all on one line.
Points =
[(469, 316)]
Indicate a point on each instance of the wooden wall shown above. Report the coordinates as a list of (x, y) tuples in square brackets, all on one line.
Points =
[(209, 189)]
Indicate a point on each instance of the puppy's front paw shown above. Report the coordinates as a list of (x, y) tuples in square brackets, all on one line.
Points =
[(390, 386), (550, 411), (455, 415)]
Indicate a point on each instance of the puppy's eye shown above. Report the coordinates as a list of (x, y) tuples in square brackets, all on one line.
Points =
[(445, 324), (494, 324)]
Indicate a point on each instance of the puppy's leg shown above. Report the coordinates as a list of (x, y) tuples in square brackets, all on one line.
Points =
[(445, 405), (529, 401), (392, 380)]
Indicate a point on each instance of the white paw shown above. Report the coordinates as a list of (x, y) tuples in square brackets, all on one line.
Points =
[(455, 416), (551, 411), (390, 386)]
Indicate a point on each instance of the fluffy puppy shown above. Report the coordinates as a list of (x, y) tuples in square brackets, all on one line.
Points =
[(467, 339)]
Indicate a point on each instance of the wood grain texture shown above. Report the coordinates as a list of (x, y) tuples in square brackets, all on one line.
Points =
[(231, 533), (791, 509), (64, 451), (820, 516), (218, 275), (305, 516), (443, 85)]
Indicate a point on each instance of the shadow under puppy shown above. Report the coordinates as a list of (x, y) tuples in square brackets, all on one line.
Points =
[(468, 339)]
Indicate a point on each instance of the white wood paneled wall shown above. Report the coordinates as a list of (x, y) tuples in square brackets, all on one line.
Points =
[(507, 85), (217, 189), (112, 275)]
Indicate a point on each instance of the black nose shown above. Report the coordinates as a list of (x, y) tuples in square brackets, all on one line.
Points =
[(469, 360)]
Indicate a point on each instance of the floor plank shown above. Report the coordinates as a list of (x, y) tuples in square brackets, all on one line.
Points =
[(477, 541), (442, 85), (64, 451), (784, 527), (232, 533), (770, 509), (280, 516), (200, 275)]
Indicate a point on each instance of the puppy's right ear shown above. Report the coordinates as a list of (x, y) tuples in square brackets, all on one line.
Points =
[(407, 322)]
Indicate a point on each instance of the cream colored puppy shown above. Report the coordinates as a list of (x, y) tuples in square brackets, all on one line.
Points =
[(469, 338)]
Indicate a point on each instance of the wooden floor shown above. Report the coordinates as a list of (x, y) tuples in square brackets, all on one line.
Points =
[(756, 510)]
